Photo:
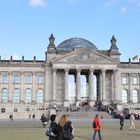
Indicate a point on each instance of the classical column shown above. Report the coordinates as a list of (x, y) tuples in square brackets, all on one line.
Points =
[(139, 87), (48, 85), (117, 84), (99, 86), (103, 85), (22, 88), (113, 86), (54, 85), (0, 89), (11, 88), (91, 87), (78, 96), (130, 88), (66, 96), (75, 92), (34, 97), (66, 84), (87, 86)]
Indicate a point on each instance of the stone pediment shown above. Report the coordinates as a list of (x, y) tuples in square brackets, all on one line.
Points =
[(85, 56)]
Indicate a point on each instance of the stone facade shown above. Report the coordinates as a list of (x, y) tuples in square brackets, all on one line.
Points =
[(31, 86)]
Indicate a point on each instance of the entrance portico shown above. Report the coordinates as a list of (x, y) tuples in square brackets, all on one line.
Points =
[(103, 78)]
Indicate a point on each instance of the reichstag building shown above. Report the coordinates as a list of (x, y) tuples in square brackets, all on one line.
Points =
[(71, 73)]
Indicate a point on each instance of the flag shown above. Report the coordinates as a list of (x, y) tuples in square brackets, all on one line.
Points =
[(135, 58)]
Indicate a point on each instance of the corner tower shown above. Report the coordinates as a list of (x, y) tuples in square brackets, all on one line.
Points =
[(114, 51)]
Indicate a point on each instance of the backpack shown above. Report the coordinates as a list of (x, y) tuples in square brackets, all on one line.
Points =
[(66, 132), (94, 124), (67, 135)]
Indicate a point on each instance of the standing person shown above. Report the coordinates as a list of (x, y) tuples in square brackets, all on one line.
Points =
[(11, 117), (97, 127), (132, 122), (33, 116), (121, 121), (53, 125), (43, 120), (64, 125)]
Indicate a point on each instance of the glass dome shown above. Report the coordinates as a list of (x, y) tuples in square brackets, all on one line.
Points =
[(76, 43)]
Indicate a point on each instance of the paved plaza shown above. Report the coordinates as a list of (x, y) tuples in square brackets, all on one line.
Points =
[(32, 130)]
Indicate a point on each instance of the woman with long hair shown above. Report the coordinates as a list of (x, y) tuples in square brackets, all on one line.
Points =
[(64, 125)]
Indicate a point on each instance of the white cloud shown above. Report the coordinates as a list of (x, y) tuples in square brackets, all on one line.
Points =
[(118, 2), (14, 57), (36, 3), (110, 2), (123, 9)]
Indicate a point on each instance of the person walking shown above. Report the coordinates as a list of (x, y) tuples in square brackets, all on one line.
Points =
[(97, 127), (121, 121), (65, 128), (132, 122)]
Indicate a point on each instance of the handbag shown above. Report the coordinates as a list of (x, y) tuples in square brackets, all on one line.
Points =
[(49, 133), (68, 135)]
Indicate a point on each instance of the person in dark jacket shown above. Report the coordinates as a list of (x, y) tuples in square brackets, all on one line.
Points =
[(43, 120), (53, 125), (97, 128), (64, 125), (121, 121)]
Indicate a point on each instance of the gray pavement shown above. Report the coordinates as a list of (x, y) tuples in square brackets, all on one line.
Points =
[(77, 122)]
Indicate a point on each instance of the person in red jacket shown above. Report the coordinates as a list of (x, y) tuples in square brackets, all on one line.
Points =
[(96, 120)]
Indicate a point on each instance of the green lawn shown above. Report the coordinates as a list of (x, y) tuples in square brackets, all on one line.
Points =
[(36, 132)]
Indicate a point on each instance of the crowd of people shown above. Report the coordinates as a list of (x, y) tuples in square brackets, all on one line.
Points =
[(97, 124), (132, 121), (64, 124)]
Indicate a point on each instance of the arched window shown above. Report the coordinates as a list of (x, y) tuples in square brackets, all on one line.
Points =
[(135, 96), (5, 77), (28, 95), (124, 96), (5, 95), (16, 95), (40, 96)]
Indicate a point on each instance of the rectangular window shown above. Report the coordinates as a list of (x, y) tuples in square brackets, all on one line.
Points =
[(15, 110), (124, 80), (3, 110), (135, 81)]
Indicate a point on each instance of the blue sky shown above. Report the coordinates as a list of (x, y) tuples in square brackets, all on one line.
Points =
[(25, 25)]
